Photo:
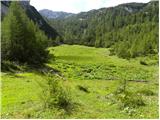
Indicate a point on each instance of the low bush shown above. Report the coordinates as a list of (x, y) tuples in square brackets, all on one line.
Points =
[(58, 94), (146, 92), (122, 87), (127, 98), (130, 99)]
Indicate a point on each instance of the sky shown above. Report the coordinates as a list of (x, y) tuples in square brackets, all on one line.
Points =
[(76, 6)]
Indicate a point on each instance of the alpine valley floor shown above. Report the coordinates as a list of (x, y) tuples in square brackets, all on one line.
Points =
[(93, 76)]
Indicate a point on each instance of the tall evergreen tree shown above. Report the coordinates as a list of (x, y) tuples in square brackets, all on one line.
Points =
[(21, 39)]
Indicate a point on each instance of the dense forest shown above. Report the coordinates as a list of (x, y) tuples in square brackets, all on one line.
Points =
[(130, 30)]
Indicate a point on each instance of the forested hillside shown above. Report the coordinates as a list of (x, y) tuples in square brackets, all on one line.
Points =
[(33, 14), (130, 30)]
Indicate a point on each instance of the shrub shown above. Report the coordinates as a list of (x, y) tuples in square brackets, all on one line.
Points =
[(58, 94), (130, 99), (146, 92), (127, 98), (122, 87)]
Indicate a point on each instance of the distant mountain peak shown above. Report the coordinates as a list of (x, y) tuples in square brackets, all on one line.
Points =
[(54, 14)]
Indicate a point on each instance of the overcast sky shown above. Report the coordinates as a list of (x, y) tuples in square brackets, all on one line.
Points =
[(76, 6)]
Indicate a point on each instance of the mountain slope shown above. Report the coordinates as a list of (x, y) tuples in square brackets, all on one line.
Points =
[(54, 15), (34, 15), (108, 27)]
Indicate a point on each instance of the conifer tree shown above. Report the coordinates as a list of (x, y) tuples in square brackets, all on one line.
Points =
[(22, 40)]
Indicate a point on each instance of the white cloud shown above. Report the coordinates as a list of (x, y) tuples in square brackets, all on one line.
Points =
[(76, 6)]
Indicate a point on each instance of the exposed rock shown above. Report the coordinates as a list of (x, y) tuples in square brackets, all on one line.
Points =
[(54, 15)]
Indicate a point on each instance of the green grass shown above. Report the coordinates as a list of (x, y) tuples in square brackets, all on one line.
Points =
[(93, 69)]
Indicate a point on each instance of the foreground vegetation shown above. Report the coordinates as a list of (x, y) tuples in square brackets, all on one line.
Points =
[(82, 82)]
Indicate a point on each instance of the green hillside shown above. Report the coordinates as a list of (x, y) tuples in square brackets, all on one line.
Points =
[(115, 27)]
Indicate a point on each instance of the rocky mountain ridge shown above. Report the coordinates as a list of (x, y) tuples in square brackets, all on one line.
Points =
[(49, 14)]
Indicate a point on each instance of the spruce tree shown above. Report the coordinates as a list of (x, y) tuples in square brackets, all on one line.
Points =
[(22, 40)]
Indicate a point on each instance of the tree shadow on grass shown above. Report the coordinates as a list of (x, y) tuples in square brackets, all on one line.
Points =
[(14, 68)]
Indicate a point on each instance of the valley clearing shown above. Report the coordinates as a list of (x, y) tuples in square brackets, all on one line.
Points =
[(94, 80)]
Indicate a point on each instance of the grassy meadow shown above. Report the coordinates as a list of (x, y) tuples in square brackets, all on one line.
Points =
[(100, 85)]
